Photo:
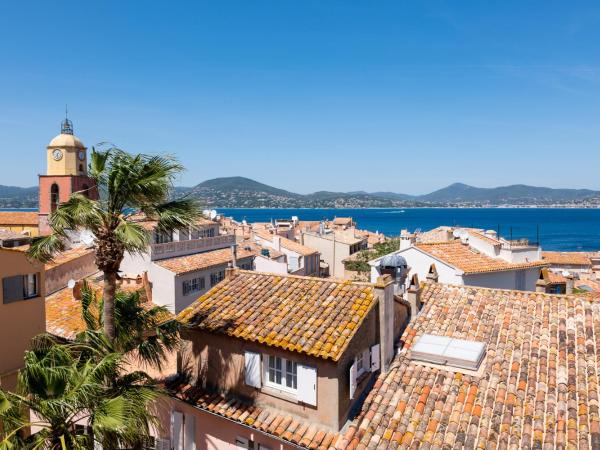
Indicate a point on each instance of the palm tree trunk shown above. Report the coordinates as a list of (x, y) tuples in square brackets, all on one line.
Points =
[(110, 286)]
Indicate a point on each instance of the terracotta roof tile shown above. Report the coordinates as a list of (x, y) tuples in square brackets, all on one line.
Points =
[(63, 312), (567, 258), (245, 412), (19, 218), (469, 260), (198, 261), (321, 315), (288, 244), (67, 256), (538, 387)]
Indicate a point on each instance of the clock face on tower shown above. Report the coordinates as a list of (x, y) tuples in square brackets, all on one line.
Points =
[(81, 155), (57, 155)]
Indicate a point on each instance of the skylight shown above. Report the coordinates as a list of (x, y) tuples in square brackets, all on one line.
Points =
[(448, 351)]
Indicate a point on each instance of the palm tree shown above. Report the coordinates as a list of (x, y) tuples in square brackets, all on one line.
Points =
[(140, 182), (143, 334), (63, 387)]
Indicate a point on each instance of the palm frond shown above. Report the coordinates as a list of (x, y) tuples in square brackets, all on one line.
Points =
[(133, 236), (176, 214), (44, 248)]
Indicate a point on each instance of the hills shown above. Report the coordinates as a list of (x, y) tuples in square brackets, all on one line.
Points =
[(241, 192), (18, 197)]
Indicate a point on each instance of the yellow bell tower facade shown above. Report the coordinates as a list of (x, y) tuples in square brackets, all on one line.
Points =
[(66, 174), (66, 154)]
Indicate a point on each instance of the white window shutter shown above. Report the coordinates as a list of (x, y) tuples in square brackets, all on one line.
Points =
[(252, 369), (307, 384), (177, 430), (190, 432), (353, 377), (375, 358)]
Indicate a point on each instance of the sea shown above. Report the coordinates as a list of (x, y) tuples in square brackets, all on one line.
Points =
[(562, 229)]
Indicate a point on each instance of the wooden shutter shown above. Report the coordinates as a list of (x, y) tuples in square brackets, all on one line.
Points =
[(189, 432), (177, 430), (252, 369), (353, 377), (307, 384), (12, 288), (375, 358)]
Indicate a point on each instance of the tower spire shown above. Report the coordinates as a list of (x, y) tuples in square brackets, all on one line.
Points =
[(66, 126)]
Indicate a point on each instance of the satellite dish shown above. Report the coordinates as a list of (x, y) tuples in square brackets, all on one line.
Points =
[(565, 273), (206, 212), (213, 214), (244, 222), (71, 283)]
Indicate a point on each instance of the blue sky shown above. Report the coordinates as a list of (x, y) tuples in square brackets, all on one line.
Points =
[(312, 95)]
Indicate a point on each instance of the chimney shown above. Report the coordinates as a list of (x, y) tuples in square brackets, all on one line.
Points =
[(77, 290), (384, 291), (432, 275), (570, 284), (406, 239), (147, 286), (234, 256), (230, 273), (277, 242), (413, 296), (541, 285)]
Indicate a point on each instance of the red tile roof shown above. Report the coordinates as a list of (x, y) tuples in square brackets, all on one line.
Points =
[(68, 255), (567, 258), (469, 260), (538, 387), (201, 261), (308, 315), (18, 218), (286, 243), (244, 412)]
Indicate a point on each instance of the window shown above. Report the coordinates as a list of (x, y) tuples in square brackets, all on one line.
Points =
[(363, 362), (193, 285), (182, 431), (20, 287), (246, 266), (162, 238), (206, 232), (217, 277), (242, 443), (281, 373), (54, 197), (85, 190)]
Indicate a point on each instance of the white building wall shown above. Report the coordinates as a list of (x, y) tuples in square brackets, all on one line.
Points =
[(262, 264), (503, 280), (163, 287), (136, 264), (419, 263)]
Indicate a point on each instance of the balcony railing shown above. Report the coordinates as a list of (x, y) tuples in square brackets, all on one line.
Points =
[(181, 248)]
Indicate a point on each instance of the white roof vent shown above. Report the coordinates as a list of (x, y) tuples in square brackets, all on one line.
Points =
[(448, 351)]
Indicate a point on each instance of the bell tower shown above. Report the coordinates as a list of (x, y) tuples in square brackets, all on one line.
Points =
[(66, 173)]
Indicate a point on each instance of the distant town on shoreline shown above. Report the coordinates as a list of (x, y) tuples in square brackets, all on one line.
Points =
[(240, 192)]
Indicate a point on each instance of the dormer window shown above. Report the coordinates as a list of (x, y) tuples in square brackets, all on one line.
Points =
[(281, 373)]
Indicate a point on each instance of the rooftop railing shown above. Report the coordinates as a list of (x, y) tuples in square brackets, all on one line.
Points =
[(188, 247)]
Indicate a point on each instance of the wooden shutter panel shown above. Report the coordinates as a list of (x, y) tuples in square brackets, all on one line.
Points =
[(353, 377), (241, 443), (307, 384), (177, 430), (252, 369), (189, 432), (12, 289), (375, 358)]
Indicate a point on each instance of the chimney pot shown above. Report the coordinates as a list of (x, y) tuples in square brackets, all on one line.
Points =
[(230, 273)]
